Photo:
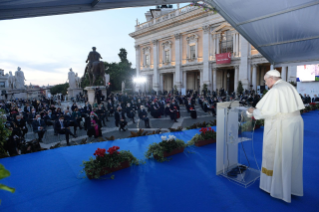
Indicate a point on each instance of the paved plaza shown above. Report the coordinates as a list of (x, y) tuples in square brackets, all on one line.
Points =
[(163, 124)]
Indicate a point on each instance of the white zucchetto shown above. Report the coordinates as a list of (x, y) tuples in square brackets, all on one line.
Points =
[(273, 73)]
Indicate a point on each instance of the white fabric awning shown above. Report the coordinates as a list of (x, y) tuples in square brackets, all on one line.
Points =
[(12, 9), (283, 31)]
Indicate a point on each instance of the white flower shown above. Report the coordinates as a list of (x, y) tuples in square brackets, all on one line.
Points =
[(171, 137), (163, 138)]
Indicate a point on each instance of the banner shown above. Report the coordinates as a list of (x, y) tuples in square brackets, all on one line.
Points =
[(223, 58)]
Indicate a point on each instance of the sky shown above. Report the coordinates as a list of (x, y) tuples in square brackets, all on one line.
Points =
[(45, 48)]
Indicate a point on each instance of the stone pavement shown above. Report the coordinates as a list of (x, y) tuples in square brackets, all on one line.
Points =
[(162, 123)]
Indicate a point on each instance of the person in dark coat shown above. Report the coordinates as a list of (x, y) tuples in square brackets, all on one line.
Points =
[(130, 112), (61, 127), (21, 125), (142, 114), (120, 120), (39, 127), (91, 124)]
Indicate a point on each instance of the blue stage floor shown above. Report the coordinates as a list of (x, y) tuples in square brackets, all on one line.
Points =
[(49, 180)]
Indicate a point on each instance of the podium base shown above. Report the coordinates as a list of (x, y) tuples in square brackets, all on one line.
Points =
[(246, 178)]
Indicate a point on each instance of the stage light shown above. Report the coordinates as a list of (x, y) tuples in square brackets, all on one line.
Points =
[(139, 80)]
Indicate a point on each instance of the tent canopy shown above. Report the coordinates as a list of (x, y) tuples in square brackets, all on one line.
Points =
[(283, 31), (12, 9)]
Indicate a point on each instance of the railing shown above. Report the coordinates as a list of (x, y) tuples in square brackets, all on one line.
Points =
[(166, 17)]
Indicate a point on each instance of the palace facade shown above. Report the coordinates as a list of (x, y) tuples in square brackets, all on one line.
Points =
[(177, 48)]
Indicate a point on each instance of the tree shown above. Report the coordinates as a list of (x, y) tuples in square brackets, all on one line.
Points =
[(240, 88), (60, 88)]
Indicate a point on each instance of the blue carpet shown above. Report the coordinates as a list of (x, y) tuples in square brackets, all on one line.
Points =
[(50, 180)]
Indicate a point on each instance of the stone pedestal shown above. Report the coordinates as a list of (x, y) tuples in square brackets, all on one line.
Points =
[(17, 93), (72, 92), (91, 93)]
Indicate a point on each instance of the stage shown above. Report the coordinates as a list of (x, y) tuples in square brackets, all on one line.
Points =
[(50, 180)]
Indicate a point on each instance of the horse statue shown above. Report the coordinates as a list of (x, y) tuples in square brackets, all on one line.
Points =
[(95, 68)]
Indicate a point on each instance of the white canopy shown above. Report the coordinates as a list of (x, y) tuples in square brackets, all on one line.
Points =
[(283, 31), (11, 9)]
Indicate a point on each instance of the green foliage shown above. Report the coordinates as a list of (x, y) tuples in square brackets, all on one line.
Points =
[(4, 134), (60, 88), (293, 83), (97, 165), (3, 174), (201, 125), (240, 88), (264, 93), (166, 145), (207, 134)]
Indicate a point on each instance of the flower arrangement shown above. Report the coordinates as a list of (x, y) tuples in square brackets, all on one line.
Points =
[(207, 136), (168, 146), (313, 106), (105, 163)]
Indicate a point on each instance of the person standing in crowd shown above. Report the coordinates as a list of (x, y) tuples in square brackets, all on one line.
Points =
[(39, 127)]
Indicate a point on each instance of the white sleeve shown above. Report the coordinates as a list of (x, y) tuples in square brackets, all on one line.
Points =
[(258, 114)]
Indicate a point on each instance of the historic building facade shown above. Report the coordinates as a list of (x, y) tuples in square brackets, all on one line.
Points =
[(177, 48)]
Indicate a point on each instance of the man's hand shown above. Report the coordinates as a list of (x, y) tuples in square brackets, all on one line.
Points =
[(251, 110)]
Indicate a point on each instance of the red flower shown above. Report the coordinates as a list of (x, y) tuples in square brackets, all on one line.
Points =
[(113, 149), (191, 108), (203, 130), (100, 152)]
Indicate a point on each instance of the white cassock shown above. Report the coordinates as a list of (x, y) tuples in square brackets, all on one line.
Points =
[(282, 157)]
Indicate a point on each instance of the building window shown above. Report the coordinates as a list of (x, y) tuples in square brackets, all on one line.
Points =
[(226, 42), (192, 52), (192, 41), (147, 57), (147, 60), (166, 55)]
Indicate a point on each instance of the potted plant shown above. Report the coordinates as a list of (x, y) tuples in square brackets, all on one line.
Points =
[(207, 136), (105, 163), (312, 106), (167, 147), (307, 108)]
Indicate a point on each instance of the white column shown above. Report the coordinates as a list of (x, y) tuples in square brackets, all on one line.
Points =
[(185, 79), (206, 71), (254, 77), (214, 79), (217, 43), (161, 82), (137, 64), (201, 80), (234, 45), (284, 73), (213, 47), (178, 70), (155, 65), (238, 45), (236, 78)]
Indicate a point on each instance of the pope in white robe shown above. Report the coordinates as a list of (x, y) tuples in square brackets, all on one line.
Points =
[(282, 156)]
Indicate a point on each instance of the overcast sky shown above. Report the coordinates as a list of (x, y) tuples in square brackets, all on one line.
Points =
[(47, 47)]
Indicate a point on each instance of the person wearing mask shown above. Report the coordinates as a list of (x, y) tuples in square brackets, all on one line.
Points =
[(61, 127), (130, 112), (142, 114), (92, 126), (77, 117), (70, 121), (39, 127), (21, 125), (101, 112)]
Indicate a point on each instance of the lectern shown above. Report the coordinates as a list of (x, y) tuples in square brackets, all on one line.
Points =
[(235, 156)]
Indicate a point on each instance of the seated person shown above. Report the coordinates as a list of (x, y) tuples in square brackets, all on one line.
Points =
[(130, 112), (142, 114), (61, 127), (77, 116), (70, 121), (21, 125), (101, 112), (39, 127), (120, 120), (92, 126)]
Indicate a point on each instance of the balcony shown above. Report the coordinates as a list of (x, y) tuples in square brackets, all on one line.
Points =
[(168, 16)]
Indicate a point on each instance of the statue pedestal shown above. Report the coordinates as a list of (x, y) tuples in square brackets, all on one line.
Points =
[(17, 93), (72, 92), (91, 93)]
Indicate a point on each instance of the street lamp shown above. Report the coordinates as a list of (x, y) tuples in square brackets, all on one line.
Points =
[(139, 80)]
